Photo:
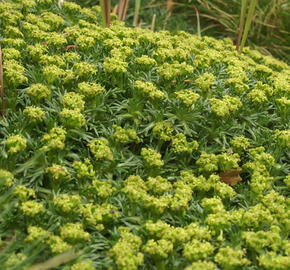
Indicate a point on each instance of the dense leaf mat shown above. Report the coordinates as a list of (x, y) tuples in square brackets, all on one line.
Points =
[(139, 149)]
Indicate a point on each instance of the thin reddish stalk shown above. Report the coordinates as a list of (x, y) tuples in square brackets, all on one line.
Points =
[(2, 85), (121, 9), (108, 19), (125, 10)]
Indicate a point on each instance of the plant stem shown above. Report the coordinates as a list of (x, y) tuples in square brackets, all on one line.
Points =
[(198, 21), (248, 23), (242, 21), (136, 13), (1, 84)]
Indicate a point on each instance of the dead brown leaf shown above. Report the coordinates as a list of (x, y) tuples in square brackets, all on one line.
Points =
[(231, 177)]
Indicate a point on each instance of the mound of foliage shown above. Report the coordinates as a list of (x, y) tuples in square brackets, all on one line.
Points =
[(139, 150)]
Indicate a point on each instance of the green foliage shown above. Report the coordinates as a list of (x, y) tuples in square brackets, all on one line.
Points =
[(118, 147)]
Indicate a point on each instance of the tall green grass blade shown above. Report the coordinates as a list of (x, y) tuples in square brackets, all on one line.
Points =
[(248, 23), (242, 21), (136, 12)]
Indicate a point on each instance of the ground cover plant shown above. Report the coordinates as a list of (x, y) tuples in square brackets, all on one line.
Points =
[(138, 150)]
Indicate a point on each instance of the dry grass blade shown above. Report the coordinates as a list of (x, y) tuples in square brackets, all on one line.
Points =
[(121, 9), (115, 9), (198, 21), (55, 261), (136, 12), (170, 5), (125, 10), (60, 3), (2, 84), (153, 22), (242, 21)]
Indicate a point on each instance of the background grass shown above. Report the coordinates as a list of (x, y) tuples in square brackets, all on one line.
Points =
[(269, 31)]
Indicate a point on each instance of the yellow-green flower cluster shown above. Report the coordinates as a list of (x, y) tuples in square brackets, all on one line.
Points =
[(38, 91), (284, 104), (145, 62), (228, 162), (158, 249), (35, 233), (181, 145), (126, 251), (94, 214), (205, 81), (72, 118), (100, 149), (23, 193), (52, 73), (225, 106), (85, 265), (85, 43), (54, 140), (283, 137), (74, 233), (115, 65), (47, 60), (73, 101), (287, 180), (35, 114), (84, 69), (90, 89), (16, 43), (11, 54), (261, 239), (201, 265), (213, 182), (175, 70), (71, 57), (162, 130), (274, 261), (122, 135), (14, 260), (71, 7), (239, 144), (121, 53), (58, 173), (32, 208), (102, 189), (229, 258), (197, 250), (66, 203), (187, 96), (259, 169), (207, 163), (151, 157), (6, 178), (84, 169), (16, 143), (36, 51), (13, 32), (260, 92), (57, 245), (14, 73), (138, 191), (148, 89), (158, 185), (9, 14)]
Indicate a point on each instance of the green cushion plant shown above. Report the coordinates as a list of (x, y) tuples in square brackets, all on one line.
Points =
[(116, 142)]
